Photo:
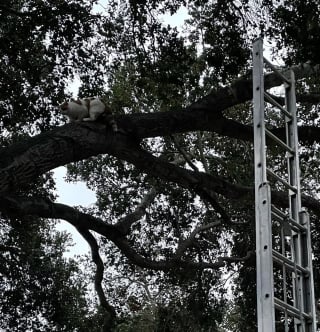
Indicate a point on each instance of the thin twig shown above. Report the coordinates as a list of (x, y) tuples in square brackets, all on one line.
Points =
[(184, 154), (200, 148), (189, 241), (125, 223)]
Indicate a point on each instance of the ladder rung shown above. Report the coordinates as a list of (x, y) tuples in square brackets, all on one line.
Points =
[(292, 311), (275, 103), (281, 216), (279, 141), (280, 259), (280, 219), (285, 183), (276, 71)]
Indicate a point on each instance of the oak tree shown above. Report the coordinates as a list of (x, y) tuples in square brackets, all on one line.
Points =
[(175, 196)]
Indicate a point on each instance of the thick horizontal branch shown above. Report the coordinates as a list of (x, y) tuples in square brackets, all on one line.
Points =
[(233, 129), (311, 98), (44, 208), (77, 142), (205, 185), (206, 113), (22, 162), (9, 10)]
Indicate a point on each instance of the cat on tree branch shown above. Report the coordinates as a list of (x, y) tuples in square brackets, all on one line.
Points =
[(24, 161)]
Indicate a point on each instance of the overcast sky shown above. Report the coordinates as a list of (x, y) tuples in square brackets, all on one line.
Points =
[(73, 194)]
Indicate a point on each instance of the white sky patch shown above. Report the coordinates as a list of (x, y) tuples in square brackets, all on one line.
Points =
[(74, 86), (177, 19), (73, 194)]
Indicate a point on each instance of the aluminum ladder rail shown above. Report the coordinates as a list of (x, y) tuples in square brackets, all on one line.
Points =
[(285, 297)]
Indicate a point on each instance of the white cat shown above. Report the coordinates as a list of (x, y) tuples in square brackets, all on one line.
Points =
[(87, 109)]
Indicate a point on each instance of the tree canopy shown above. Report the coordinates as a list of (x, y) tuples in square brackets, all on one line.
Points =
[(174, 217)]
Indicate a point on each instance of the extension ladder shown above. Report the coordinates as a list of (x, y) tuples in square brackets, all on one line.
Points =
[(285, 294)]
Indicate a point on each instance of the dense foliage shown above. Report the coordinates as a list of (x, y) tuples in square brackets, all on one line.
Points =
[(172, 233)]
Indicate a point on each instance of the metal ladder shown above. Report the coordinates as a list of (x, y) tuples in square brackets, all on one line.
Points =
[(285, 294)]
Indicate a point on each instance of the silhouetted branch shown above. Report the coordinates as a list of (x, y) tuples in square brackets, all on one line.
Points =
[(184, 245), (125, 223), (44, 208), (110, 314)]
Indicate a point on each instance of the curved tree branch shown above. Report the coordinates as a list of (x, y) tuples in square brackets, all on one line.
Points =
[(184, 154), (184, 245), (12, 11), (110, 311), (125, 223), (15, 205), (24, 161)]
